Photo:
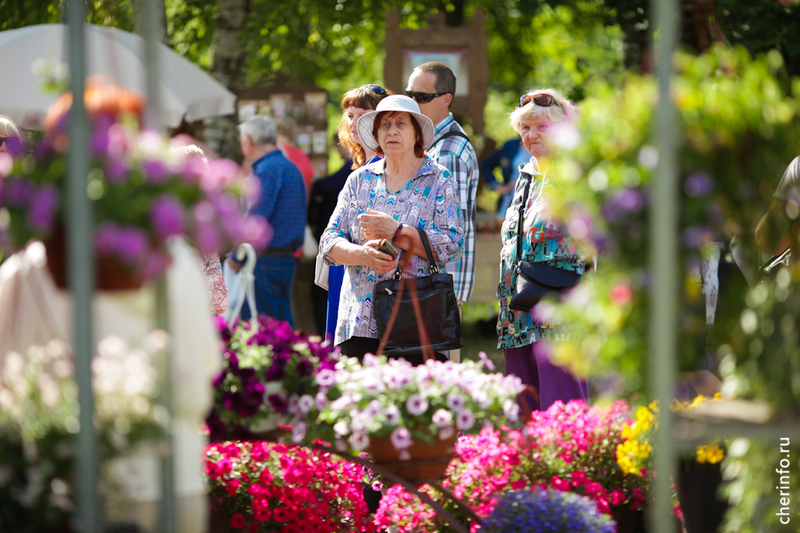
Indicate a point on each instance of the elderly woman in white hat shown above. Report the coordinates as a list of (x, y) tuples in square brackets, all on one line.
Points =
[(389, 199)]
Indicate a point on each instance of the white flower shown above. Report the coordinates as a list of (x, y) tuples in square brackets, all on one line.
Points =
[(373, 408), (326, 377), (446, 432), (320, 400), (455, 402), (416, 405), (371, 360), (401, 438), (359, 441), (442, 418), (482, 398), (465, 420), (404, 455), (341, 428), (305, 404), (511, 410), (485, 361), (392, 415), (298, 432)]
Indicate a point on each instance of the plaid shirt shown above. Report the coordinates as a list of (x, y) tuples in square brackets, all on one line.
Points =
[(458, 156)]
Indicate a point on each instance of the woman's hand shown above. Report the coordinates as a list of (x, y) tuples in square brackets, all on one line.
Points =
[(376, 259), (377, 225)]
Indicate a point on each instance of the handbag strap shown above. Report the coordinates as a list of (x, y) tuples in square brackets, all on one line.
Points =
[(521, 219), (405, 264)]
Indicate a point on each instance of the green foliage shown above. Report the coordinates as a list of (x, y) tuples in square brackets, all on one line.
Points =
[(190, 28), (737, 131), (755, 489)]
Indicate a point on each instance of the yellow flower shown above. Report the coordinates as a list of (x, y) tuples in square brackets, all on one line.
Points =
[(711, 454)]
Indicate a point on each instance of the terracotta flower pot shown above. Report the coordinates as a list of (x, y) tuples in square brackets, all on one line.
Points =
[(110, 273), (427, 463)]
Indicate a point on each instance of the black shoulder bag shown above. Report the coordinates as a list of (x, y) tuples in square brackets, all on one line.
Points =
[(402, 315), (535, 280)]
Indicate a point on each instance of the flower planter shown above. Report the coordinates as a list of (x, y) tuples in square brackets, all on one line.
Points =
[(110, 273), (703, 511), (427, 463), (628, 520)]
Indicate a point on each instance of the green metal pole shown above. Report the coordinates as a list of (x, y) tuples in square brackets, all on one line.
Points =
[(81, 276), (663, 265)]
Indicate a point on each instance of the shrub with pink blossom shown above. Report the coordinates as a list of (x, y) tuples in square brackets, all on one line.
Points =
[(570, 447), (283, 488), (268, 378), (389, 398), (143, 193)]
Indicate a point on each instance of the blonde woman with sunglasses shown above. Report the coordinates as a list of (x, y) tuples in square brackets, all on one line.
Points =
[(7, 130), (543, 241)]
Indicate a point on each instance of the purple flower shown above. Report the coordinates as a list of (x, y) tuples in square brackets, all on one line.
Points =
[(155, 170), (278, 403), (326, 377), (377, 486), (305, 368), (698, 185), (320, 400), (359, 441), (485, 361), (401, 438), (275, 372), (44, 203), (105, 238), (15, 146), (155, 263), (416, 405), (220, 172), (305, 404), (207, 238), (16, 192), (299, 432), (166, 215), (131, 243), (117, 169)]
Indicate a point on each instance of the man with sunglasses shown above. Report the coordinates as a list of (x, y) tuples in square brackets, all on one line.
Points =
[(433, 85)]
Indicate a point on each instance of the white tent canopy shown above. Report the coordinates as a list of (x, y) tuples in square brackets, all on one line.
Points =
[(186, 91)]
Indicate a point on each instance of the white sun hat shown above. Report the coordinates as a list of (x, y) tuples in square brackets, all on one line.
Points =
[(395, 102)]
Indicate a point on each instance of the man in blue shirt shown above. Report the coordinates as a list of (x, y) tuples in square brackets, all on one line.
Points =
[(276, 191)]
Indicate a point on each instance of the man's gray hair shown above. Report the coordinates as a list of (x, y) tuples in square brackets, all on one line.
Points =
[(260, 129)]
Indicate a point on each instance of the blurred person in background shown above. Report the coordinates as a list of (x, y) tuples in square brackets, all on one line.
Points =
[(286, 138), (321, 203), (508, 159), (274, 191), (543, 241), (433, 86), (8, 131)]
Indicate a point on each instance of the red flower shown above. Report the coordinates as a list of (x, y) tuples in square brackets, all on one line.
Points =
[(578, 478), (617, 497), (253, 528), (237, 521), (602, 505), (282, 515), (518, 484), (560, 484), (262, 513)]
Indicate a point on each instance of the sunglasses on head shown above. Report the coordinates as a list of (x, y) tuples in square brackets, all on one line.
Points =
[(541, 99), (423, 98), (377, 89)]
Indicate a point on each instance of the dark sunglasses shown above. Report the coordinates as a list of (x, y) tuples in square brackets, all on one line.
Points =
[(2, 140), (377, 89), (423, 98), (541, 99)]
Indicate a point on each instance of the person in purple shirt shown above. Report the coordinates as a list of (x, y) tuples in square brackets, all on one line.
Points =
[(276, 191)]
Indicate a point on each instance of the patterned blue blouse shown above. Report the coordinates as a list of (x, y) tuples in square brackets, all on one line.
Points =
[(542, 242), (428, 201)]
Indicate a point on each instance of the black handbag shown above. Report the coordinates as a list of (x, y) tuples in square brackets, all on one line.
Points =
[(535, 280), (422, 319)]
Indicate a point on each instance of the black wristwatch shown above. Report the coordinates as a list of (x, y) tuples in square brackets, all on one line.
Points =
[(397, 231)]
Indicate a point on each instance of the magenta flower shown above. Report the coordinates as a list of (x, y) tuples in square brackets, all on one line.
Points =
[(155, 170)]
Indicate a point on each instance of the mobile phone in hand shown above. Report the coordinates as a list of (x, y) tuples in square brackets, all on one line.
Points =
[(387, 247)]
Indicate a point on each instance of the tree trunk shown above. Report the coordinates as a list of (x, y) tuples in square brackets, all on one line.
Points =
[(229, 67)]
